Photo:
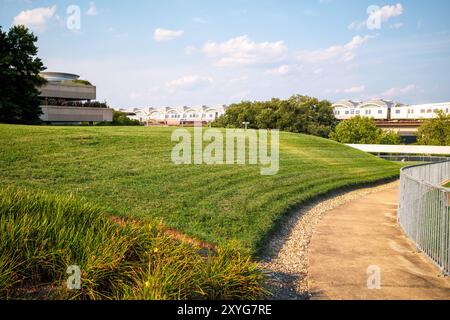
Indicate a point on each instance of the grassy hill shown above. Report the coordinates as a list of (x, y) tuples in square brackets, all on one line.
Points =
[(128, 172)]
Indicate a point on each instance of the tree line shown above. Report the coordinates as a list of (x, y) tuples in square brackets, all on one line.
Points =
[(300, 114)]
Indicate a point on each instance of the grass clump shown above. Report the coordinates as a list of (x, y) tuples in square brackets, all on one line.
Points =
[(42, 234)]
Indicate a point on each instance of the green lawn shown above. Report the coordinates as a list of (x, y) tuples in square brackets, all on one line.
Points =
[(128, 171)]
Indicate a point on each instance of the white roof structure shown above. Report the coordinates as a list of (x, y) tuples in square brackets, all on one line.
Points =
[(59, 76), (402, 149), (347, 104), (381, 103), (177, 114)]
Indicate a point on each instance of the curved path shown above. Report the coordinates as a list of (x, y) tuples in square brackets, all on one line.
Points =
[(359, 235)]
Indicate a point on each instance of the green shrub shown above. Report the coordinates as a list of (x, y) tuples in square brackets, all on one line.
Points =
[(435, 132), (120, 119), (82, 82), (41, 235), (363, 130)]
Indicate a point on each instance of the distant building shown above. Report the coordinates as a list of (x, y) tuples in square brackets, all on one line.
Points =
[(66, 99), (377, 109), (385, 110), (177, 115), (388, 115)]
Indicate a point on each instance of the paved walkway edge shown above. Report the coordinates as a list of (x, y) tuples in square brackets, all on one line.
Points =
[(358, 251)]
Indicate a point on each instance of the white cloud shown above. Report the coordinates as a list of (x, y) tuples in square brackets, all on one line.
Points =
[(243, 51), (189, 82), (356, 25), (355, 89), (167, 35), (385, 13), (281, 70), (336, 53), (92, 11), (378, 16), (395, 92), (35, 19)]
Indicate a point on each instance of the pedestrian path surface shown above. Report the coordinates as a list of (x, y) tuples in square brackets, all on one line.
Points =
[(359, 243)]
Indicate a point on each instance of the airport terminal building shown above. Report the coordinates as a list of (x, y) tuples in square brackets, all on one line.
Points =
[(66, 99)]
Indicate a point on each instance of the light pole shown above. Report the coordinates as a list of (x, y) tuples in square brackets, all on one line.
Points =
[(246, 124)]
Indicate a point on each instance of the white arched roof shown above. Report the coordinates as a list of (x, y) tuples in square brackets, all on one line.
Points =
[(377, 103), (346, 104), (152, 112)]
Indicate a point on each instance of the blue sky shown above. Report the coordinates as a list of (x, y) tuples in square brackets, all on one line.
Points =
[(166, 53)]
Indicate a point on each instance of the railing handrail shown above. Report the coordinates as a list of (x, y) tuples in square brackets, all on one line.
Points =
[(424, 210), (430, 184)]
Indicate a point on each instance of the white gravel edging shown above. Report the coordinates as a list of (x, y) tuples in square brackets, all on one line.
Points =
[(286, 257)]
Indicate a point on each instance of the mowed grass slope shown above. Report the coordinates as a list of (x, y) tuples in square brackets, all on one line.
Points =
[(128, 171)]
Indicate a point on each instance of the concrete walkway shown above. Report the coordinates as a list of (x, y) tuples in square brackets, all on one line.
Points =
[(365, 233)]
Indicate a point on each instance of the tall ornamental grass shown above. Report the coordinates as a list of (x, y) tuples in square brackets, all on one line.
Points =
[(41, 234)]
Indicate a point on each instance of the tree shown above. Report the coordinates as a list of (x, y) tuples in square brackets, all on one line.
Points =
[(363, 130), (389, 137), (19, 76), (435, 132), (299, 114)]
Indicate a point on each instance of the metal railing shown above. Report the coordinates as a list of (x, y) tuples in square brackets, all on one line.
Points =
[(412, 158), (424, 210)]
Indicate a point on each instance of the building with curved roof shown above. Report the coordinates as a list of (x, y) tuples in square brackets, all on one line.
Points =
[(346, 104), (387, 110), (177, 115), (59, 76), (378, 109)]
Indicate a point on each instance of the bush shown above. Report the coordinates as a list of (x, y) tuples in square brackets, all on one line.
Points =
[(82, 82), (389, 137), (435, 132), (80, 104), (41, 235), (120, 119), (363, 130)]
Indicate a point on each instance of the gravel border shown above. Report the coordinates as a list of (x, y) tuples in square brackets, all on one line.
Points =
[(286, 256)]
